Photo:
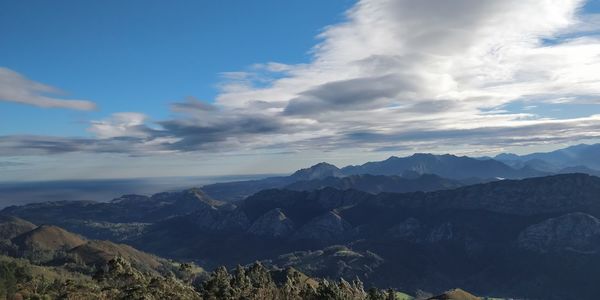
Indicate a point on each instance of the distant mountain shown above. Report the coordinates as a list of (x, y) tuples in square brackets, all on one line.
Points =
[(238, 190), (578, 155), (579, 169), (575, 159), (456, 171), (378, 183), (121, 219), (394, 173), (530, 196), (404, 174), (535, 164), (318, 171), (125, 209), (448, 166)]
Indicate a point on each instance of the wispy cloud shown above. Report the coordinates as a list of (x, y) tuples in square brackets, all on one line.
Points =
[(14, 87), (192, 103)]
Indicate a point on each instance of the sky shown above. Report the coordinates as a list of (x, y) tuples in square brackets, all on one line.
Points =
[(121, 89)]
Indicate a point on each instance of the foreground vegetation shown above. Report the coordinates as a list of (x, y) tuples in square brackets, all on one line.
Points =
[(118, 279), (48, 262)]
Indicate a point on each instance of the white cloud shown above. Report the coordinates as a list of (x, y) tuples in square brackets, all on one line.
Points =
[(14, 87), (124, 124), (410, 66)]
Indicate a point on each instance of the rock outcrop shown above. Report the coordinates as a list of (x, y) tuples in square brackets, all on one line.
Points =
[(274, 224), (327, 227), (577, 232), (408, 230)]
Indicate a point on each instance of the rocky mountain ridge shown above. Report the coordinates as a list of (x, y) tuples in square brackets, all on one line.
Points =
[(488, 227), (410, 173)]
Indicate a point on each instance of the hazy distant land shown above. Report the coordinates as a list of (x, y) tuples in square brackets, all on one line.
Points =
[(17, 193)]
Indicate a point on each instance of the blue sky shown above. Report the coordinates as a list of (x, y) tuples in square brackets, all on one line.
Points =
[(103, 89), (143, 55)]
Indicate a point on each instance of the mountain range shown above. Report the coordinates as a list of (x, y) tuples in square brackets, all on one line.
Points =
[(396, 174), (461, 170), (490, 238), (582, 155), (422, 222)]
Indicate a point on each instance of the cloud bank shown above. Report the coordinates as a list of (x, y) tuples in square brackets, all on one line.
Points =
[(396, 74)]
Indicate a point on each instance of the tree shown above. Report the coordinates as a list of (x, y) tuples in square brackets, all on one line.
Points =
[(375, 294), (218, 286), (8, 280), (186, 272), (263, 286), (391, 294), (240, 283)]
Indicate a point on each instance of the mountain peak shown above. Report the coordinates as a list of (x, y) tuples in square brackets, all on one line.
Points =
[(581, 154), (445, 165), (318, 171), (197, 197), (274, 224), (323, 165), (48, 237), (11, 227), (577, 147), (422, 154), (329, 226)]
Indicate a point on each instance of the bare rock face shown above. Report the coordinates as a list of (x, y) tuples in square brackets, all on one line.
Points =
[(273, 224), (444, 232), (408, 230), (577, 232), (235, 220), (412, 230), (327, 227)]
